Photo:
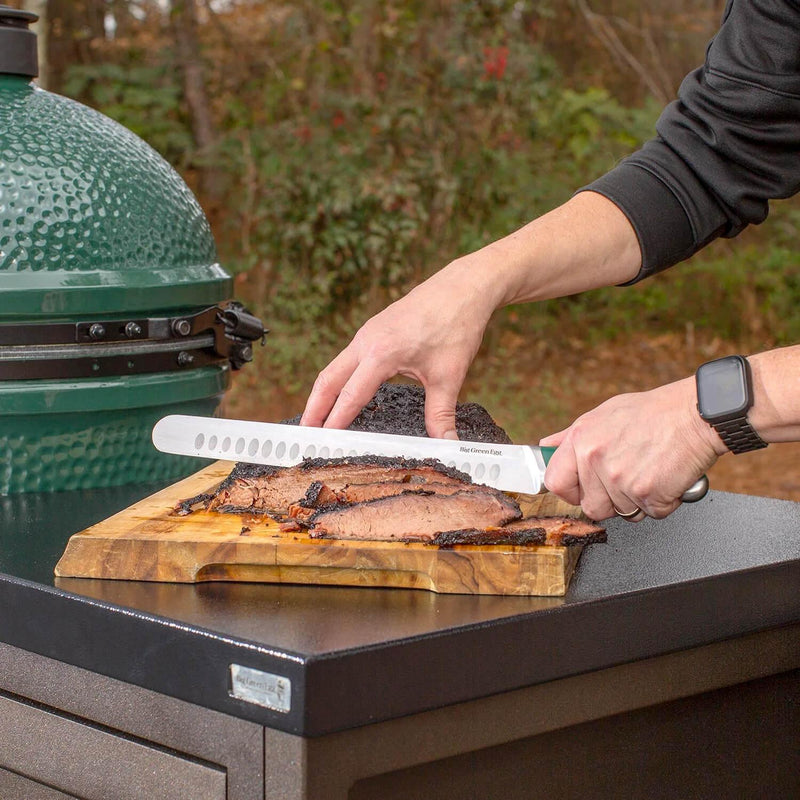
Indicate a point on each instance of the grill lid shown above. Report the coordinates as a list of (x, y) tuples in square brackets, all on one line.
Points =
[(93, 220)]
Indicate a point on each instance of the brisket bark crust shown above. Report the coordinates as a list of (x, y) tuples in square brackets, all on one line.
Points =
[(400, 408), (554, 531)]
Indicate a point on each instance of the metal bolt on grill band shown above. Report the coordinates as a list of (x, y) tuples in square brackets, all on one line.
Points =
[(112, 347)]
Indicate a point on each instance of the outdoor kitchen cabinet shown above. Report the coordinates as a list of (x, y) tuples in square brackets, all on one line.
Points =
[(670, 669), (67, 732), (57, 750), (12, 785)]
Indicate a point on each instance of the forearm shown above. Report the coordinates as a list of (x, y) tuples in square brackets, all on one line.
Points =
[(433, 333), (584, 244), (776, 388)]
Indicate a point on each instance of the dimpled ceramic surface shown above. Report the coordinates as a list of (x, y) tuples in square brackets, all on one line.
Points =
[(92, 432), (94, 222), (92, 219), (82, 451)]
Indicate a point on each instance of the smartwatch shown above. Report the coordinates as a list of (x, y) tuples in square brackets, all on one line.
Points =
[(724, 396)]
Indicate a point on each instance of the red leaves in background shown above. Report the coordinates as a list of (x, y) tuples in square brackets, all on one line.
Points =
[(303, 133), (495, 60)]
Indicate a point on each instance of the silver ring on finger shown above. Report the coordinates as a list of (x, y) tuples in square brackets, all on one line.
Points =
[(629, 516)]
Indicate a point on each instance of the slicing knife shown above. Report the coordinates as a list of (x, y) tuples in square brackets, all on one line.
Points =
[(512, 468)]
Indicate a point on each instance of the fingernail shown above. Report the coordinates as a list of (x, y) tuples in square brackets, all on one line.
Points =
[(449, 435)]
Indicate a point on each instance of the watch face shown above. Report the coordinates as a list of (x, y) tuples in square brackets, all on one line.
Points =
[(722, 388)]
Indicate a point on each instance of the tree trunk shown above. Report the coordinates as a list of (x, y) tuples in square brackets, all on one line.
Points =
[(184, 27), (41, 27), (73, 26), (123, 21)]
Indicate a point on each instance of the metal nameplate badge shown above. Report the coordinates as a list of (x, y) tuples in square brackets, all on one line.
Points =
[(261, 688)]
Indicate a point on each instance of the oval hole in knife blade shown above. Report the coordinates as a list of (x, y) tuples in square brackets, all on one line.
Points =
[(253, 448), (212, 443), (479, 470), (280, 449), (240, 443), (494, 471), (199, 441), (226, 444), (324, 451), (266, 448), (310, 451), (294, 451)]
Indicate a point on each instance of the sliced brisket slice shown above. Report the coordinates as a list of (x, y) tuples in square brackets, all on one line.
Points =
[(259, 488), (552, 531), (360, 492), (569, 531), (414, 516), (319, 495)]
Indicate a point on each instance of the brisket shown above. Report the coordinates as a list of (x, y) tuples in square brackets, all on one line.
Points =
[(413, 516), (553, 531), (566, 531), (392, 499), (252, 487), (359, 492), (319, 495), (400, 408)]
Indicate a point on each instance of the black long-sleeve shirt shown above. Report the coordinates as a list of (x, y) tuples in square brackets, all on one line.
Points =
[(726, 147)]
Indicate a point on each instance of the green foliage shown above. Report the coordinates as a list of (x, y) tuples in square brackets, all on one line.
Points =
[(402, 140), (366, 144), (748, 297), (146, 99)]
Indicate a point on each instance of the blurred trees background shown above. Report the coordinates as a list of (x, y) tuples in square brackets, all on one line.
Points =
[(344, 149)]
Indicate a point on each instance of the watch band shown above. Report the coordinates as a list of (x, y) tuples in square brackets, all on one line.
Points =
[(739, 435)]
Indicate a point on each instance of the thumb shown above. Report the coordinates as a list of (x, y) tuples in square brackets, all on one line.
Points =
[(440, 414)]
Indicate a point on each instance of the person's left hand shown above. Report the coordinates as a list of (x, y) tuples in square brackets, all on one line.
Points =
[(640, 450)]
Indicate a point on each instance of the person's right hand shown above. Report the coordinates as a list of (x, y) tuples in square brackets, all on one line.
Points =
[(431, 335)]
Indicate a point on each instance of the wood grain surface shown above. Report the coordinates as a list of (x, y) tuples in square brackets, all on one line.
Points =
[(148, 542)]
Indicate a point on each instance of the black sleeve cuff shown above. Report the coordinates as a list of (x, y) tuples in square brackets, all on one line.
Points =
[(662, 226)]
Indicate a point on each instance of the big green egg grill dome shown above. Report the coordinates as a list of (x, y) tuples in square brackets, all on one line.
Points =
[(113, 308)]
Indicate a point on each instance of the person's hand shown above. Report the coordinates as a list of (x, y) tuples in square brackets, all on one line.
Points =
[(431, 335), (434, 332), (634, 451)]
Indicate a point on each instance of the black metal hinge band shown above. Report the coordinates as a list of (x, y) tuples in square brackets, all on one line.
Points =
[(128, 345)]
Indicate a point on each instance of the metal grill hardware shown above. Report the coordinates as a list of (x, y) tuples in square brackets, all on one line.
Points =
[(107, 347)]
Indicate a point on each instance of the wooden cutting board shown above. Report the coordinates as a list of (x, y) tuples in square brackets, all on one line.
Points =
[(148, 542)]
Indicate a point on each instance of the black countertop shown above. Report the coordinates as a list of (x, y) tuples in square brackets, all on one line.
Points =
[(727, 566)]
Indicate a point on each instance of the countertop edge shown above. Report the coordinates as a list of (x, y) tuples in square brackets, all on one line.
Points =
[(332, 692)]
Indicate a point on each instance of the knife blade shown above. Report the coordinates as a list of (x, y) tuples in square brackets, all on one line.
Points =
[(509, 467), (512, 468)]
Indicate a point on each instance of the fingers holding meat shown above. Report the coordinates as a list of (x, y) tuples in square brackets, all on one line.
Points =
[(431, 335)]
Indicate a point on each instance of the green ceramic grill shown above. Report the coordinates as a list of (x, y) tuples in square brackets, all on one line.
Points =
[(113, 308)]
